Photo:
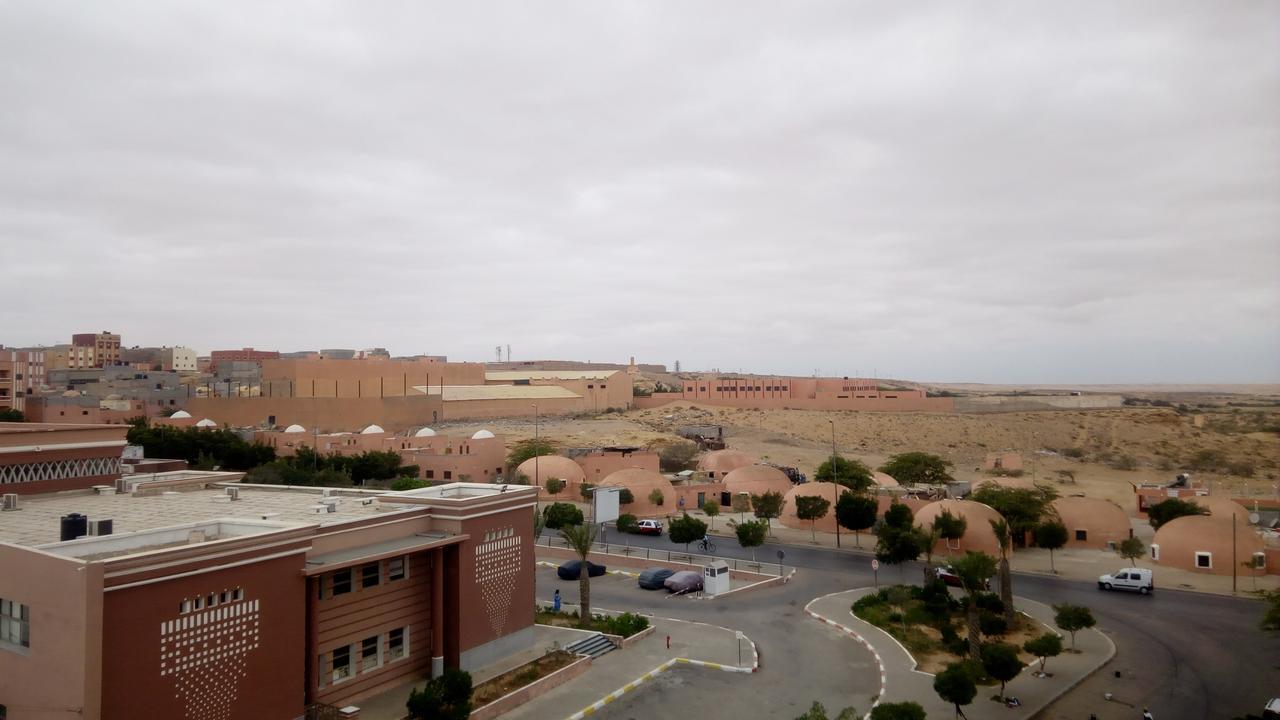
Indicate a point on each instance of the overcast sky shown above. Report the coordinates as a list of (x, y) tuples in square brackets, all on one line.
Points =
[(1000, 192)]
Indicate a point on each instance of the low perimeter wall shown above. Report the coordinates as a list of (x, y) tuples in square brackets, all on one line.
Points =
[(516, 698)]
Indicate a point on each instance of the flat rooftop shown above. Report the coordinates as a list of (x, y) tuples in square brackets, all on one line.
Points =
[(454, 393), (512, 375), (37, 522)]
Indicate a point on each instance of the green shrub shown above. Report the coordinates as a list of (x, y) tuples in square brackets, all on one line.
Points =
[(554, 486), (626, 624), (992, 625), (990, 602), (408, 483), (627, 523), (559, 515)]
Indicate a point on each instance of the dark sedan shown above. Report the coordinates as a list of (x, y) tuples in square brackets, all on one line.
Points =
[(572, 569)]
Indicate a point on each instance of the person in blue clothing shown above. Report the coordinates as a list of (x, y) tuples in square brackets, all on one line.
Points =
[(555, 600)]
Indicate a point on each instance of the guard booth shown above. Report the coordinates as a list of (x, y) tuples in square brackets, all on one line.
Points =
[(715, 578)]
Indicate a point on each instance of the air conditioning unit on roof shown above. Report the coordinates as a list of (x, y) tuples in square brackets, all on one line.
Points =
[(11, 502)]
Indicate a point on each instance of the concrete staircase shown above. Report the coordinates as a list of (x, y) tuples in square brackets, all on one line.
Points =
[(595, 646)]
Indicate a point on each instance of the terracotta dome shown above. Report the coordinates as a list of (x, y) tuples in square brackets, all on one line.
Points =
[(482, 435), (719, 463), (757, 479), (425, 432), (295, 428), (978, 535), (1222, 507), (1092, 522), (372, 430), (554, 466), (828, 490), (180, 415), (641, 483), (1178, 543), (883, 480)]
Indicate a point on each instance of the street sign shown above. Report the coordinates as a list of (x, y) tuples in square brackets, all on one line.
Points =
[(739, 635), (875, 564), (781, 554)]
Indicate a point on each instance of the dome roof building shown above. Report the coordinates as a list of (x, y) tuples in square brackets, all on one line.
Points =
[(642, 483), (180, 415), (1221, 507), (719, 463), (757, 480), (978, 535), (206, 423), (1203, 543), (828, 490), (883, 480), (553, 466), (482, 435), (372, 430), (1092, 522)]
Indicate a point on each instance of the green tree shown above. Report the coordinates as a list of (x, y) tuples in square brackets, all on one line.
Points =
[(928, 539), (1271, 617), (11, 415), (677, 456), (656, 497), (1131, 549), (580, 538), (955, 685), (711, 509), (1001, 661), (1022, 508), (525, 449), (625, 496), (1073, 618), (586, 491), (1172, 509), (857, 513), (687, 529), (561, 515), (812, 508), (741, 504), (918, 468), (950, 527), (1051, 535), (447, 697), (751, 534), (626, 523), (405, 483), (1004, 543), (554, 486), (818, 712), (973, 570), (768, 505), (897, 540), (1044, 647), (853, 474), (898, 711)]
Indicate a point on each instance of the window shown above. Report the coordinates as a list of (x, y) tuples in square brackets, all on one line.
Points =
[(370, 575), (341, 663), (396, 645), (431, 474), (395, 569), (1155, 552), (184, 607), (340, 583), (1082, 535), (1204, 560), (15, 624), (369, 654), (1259, 560), (448, 474)]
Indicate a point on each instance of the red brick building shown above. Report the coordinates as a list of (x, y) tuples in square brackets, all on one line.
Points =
[(48, 457), (219, 600)]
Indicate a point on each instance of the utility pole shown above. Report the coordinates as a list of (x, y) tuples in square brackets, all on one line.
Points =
[(835, 476), (537, 478), (1234, 562)]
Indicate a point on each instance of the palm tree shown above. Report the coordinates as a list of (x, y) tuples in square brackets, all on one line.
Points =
[(928, 538), (1003, 537), (580, 538), (974, 569)]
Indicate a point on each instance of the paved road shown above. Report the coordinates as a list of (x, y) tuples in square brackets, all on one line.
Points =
[(1182, 654)]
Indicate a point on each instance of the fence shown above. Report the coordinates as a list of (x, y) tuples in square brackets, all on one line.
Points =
[(676, 556)]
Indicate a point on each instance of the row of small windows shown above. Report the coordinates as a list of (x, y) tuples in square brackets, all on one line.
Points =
[(346, 661), (201, 602), (15, 624), (369, 575)]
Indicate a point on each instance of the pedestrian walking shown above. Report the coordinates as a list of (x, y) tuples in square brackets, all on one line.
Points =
[(555, 600)]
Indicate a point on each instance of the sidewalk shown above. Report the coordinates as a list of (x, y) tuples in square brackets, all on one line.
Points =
[(902, 682), (624, 671)]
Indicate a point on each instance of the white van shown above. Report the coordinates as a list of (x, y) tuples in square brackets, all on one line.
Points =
[(1128, 579)]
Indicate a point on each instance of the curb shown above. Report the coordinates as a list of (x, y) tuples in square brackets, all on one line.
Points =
[(884, 681)]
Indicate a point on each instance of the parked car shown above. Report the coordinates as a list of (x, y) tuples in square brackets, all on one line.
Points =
[(684, 581), (947, 574), (648, 527), (655, 578), (1139, 579), (571, 570)]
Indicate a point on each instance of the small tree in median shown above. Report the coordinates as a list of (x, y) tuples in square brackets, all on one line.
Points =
[(1073, 618), (897, 540), (1001, 661), (686, 529), (447, 697), (812, 508), (626, 523), (974, 569), (768, 505), (711, 509), (857, 513), (1004, 537), (898, 711), (741, 504), (1131, 549), (554, 486), (1051, 535), (955, 685), (1044, 647), (751, 534)]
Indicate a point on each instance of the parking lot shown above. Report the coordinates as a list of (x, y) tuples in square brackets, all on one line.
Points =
[(623, 578)]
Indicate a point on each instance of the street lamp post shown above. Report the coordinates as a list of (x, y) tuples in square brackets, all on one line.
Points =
[(835, 476), (537, 478)]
